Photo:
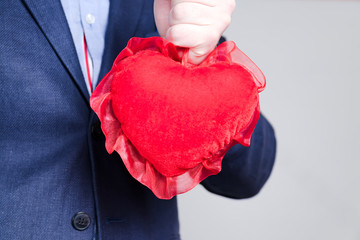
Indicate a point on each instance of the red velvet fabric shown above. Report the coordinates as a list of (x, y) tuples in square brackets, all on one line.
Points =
[(172, 122)]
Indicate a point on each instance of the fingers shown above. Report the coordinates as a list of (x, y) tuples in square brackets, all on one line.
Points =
[(191, 13), (194, 24), (198, 25), (210, 3)]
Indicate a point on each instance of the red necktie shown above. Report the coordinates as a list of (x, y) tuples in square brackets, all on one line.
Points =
[(87, 65)]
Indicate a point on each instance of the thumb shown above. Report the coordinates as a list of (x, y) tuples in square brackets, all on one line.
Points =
[(199, 53), (195, 58)]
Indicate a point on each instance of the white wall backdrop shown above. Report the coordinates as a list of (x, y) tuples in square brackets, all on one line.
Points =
[(310, 54)]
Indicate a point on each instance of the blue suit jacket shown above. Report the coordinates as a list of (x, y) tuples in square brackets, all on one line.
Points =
[(53, 163)]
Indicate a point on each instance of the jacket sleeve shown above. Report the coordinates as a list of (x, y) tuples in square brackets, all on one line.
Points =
[(246, 169)]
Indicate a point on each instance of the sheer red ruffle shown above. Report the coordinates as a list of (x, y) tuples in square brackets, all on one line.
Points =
[(172, 122)]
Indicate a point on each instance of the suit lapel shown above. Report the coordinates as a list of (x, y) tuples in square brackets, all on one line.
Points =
[(123, 19), (50, 17)]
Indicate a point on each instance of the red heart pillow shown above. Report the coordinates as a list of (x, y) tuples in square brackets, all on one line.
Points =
[(172, 122)]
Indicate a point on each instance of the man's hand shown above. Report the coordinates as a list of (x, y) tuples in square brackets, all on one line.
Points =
[(194, 24)]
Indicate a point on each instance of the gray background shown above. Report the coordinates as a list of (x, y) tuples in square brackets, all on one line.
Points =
[(310, 53)]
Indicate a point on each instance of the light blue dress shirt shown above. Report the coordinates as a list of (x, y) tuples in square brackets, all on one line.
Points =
[(89, 17)]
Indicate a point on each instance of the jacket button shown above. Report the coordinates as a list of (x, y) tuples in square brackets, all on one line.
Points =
[(96, 131), (81, 221)]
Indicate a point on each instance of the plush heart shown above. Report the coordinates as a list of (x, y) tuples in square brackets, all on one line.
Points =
[(172, 122)]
